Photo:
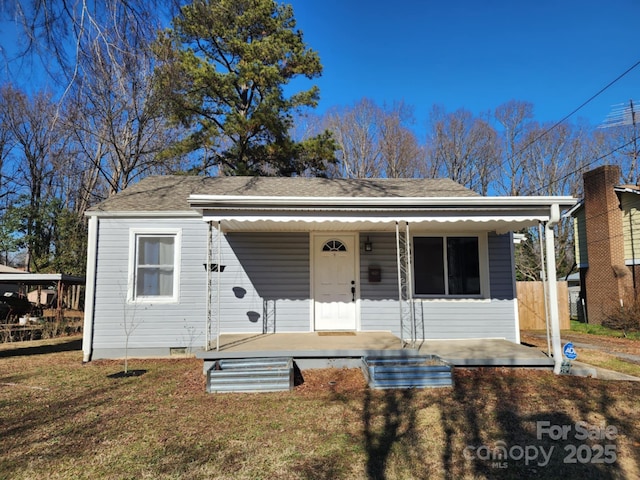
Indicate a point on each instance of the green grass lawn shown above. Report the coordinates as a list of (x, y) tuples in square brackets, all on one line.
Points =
[(65, 420), (592, 329)]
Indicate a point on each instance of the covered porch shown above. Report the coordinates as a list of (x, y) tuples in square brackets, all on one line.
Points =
[(351, 221)]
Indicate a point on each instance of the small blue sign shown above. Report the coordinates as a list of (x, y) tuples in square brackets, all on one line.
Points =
[(569, 351)]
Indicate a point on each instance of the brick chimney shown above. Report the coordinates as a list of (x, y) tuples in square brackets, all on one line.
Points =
[(607, 279)]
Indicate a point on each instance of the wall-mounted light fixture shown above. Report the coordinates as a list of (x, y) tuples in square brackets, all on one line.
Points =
[(368, 246)]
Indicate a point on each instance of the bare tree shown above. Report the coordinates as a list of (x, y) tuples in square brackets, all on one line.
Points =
[(619, 145), (374, 141), (463, 148), (516, 119), (40, 152), (55, 31), (356, 131), (552, 160), (6, 144), (399, 147), (97, 53), (118, 124), (7, 238)]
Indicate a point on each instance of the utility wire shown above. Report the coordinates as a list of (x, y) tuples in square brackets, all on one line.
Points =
[(602, 157), (573, 112)]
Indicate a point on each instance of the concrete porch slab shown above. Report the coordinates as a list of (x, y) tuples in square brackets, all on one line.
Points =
[(487, 352), (326, 349)]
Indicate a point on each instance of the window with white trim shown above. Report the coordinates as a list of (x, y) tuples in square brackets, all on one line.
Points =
[(447, 266), (155, 266)]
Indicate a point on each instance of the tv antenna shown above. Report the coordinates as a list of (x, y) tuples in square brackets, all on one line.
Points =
[(621, 115)]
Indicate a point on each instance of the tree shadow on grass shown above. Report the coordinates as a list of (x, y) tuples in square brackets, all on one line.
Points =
[(26, 440), (493, 422), (389, 419), (71, 345)]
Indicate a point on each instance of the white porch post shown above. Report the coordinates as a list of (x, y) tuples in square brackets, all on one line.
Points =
[(554, 218), (407, 249), (208, 269), (405, 286), (219, 270), (210, 306)]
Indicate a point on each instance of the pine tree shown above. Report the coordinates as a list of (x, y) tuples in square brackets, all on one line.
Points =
[(222, 72)]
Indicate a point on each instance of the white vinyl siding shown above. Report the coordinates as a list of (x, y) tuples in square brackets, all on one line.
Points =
[(266, 287), (266, 284), (155, 325)]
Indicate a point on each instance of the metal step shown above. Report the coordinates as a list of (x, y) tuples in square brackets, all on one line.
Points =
[(250, 375), (420, 371)]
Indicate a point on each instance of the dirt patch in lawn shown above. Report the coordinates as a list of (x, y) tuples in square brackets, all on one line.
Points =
[(331, 380)]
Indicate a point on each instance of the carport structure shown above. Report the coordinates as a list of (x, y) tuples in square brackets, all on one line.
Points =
[(59, 281)]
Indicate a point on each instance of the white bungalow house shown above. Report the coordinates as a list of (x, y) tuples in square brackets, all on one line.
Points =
[(176, 261)]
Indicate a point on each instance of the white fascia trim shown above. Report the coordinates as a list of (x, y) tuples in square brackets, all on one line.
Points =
[(570, 213), (203, 201), (144, 214), (623, 189)]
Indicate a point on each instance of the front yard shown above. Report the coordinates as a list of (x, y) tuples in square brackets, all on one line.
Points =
[(603, 349), (62, 419)]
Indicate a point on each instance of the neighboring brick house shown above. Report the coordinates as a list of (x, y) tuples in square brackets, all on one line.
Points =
[(607, 242)]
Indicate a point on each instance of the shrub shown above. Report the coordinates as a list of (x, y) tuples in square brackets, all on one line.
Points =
[(625, 318)]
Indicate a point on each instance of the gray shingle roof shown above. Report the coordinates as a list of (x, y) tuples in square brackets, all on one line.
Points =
[(170, 193)]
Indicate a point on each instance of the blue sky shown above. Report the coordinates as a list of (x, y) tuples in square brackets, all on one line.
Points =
[(476, 54), (469, 54)]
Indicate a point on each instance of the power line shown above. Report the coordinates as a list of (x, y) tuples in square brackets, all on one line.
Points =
[(582, 167), (574, 111), (593, 97)]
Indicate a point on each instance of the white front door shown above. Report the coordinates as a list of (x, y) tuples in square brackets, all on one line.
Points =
[(334, 282)]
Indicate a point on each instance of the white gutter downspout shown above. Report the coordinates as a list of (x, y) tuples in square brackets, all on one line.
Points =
[(90, 289), (554, 218)]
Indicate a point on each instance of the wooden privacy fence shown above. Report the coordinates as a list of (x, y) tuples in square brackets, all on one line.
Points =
[(531, 306)]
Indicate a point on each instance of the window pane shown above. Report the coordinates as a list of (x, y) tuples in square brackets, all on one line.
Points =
[(155, 250), (166, 251), (429, 265), (155, 267), (154, 282), (165, 281), (463, 265)]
